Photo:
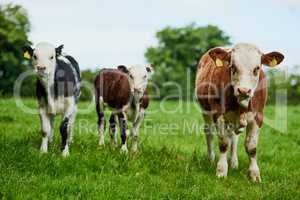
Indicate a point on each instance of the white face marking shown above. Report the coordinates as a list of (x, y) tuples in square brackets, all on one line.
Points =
[(246, 64), (44, 58), (139, 76)]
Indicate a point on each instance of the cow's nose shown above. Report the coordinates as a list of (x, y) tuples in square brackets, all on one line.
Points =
[(244, 91), (41, 68), (137, 90)]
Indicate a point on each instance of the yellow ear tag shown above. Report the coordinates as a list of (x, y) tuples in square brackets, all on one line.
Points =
[(273, 62), (219, 62), (26, 55)]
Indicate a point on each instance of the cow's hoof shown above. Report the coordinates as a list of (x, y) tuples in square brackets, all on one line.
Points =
[(44, 145), (222, 169), (211, 157), (65, 152), (254, 176), (43, 151), (234, 163), (50, 139), (124, 149), (101, 143), (113, 143), (134, 148)]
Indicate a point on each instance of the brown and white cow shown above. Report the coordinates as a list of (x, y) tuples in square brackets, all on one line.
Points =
[(124, 92), (231, 88)]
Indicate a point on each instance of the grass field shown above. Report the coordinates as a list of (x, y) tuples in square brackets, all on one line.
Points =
[(171, 164)]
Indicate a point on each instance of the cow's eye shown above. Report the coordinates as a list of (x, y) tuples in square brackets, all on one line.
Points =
[(34, 57), (51, 57), (131, 76), (145, 77), (256, 70), (233, 69)]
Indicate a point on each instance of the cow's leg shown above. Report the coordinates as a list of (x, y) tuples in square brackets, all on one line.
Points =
[(101, 121), (234, 143), (112, 130), (51, 136), (66, 127), (135, 129), (123, 129), (222, 166), (250, 145), (46, 129), (208, 130)]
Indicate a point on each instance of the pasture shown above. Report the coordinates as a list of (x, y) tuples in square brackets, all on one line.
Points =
[(171, 163)]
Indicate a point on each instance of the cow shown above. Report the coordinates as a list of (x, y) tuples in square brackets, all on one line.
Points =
[(231, 88), (57, 90), (123, 91)]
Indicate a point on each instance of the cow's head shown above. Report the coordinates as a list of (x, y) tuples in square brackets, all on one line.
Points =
[(43, 57), (138, 77), (245, 62)]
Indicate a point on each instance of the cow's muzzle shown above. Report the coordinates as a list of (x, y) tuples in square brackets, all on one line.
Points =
[(244, 92)]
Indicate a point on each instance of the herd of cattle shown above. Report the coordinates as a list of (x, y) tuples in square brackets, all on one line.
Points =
[(231, 88)]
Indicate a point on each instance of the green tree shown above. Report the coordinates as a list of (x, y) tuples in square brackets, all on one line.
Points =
[(177, 54), (14, 27), (87, 84)]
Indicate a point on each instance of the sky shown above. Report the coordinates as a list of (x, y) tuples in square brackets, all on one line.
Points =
[(102, 33)]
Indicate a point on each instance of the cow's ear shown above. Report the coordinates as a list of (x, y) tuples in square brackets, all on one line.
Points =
[(220, 56), (58, 50), (123, 69), (272, 59), (27, 52), (149, 69)]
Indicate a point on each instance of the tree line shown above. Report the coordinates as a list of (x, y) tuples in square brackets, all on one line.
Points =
[(174, 58)]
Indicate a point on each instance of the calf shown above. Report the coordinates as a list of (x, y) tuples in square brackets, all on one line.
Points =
[(57, 90), (123, 90), (231, 88)]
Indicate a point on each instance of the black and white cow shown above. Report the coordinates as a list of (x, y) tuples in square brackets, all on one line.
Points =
[(57, 90)]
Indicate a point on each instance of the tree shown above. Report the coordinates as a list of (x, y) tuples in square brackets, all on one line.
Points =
[(14, 27), (178, 52), (87, 87)]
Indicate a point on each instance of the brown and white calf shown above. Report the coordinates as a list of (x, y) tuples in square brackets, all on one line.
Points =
[(231, 88), (123, 91)]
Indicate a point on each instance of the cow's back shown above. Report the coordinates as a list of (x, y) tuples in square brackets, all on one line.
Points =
[(113, 86)]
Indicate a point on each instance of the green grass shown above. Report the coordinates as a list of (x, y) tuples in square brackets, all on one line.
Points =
[(171, 164)]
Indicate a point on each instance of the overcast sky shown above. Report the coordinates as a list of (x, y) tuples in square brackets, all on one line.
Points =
[(107, 33)]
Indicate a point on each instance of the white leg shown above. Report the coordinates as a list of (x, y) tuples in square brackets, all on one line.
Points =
[(222, 165), (46, 129), (66, 126), (135, 130), (101, 129), (234, 144), (250, 145), (72, 117)]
